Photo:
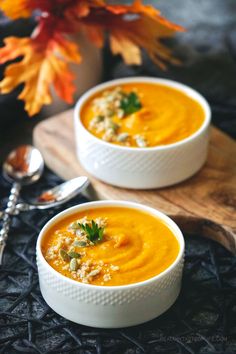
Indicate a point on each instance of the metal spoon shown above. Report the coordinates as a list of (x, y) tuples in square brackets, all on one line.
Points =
[(23, 166), (55, 196)]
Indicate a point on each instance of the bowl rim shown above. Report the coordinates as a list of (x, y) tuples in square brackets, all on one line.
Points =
[(187, 90), (106, 203)]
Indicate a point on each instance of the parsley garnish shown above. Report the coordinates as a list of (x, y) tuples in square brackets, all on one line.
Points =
[(130, 103), (94, 233)]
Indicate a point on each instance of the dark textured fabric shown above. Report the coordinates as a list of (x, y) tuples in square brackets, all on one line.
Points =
[(207, 51), (203, 319)]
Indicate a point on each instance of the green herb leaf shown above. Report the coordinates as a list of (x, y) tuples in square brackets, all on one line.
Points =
[(130, 103), (94, 233)]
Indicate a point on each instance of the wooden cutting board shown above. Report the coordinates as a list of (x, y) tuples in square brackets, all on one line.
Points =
[(203, 205)]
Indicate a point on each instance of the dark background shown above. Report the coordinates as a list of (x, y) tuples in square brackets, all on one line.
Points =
[(203, 318), (207, 49)]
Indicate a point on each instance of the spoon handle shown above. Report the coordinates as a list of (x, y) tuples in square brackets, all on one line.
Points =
[(11, 204)]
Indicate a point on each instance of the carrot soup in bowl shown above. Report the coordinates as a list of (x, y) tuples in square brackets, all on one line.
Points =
[(142, 115), (132, 132), (99, 262)]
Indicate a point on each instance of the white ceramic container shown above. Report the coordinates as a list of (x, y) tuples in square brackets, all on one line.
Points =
[(110, 306), (142, 168)]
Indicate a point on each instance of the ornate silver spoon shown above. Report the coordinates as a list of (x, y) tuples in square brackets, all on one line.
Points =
[(22, 166), (55, 196)]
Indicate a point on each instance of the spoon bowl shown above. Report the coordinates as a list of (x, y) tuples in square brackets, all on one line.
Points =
[(56, 196), (23, 165)]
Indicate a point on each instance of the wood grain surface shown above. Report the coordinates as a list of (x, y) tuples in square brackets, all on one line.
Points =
[(203, 205)]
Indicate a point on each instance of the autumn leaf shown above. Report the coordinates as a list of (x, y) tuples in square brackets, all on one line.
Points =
[(145, 30), (150, 40), (39, 68), (16, 9), (43, 60), (130, 52)]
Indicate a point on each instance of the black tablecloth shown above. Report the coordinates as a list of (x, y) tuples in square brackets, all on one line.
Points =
[(203, 319), (207, 51)]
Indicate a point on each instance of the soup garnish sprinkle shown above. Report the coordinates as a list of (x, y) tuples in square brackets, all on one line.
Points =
[(142, 115), (86, 233), (110, 246)]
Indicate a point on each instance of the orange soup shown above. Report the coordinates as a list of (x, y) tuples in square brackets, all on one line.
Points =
[(110, 246), (142, 115)]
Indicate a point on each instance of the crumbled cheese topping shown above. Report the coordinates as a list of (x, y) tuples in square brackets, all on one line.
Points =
[(108, 111), (70, 250)]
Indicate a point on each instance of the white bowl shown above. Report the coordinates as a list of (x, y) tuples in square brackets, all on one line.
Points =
[(142, 168), (110, 306)]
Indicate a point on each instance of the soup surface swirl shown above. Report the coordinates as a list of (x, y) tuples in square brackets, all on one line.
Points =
[(142, 115), (127, 246)]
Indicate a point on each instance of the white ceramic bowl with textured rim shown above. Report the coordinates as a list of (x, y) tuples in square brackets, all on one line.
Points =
[(110, 306), (142, 168)]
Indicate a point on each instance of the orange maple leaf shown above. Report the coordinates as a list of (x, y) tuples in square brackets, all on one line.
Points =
[(16, 9), (45, 56), (145, 30), (40, 68)]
